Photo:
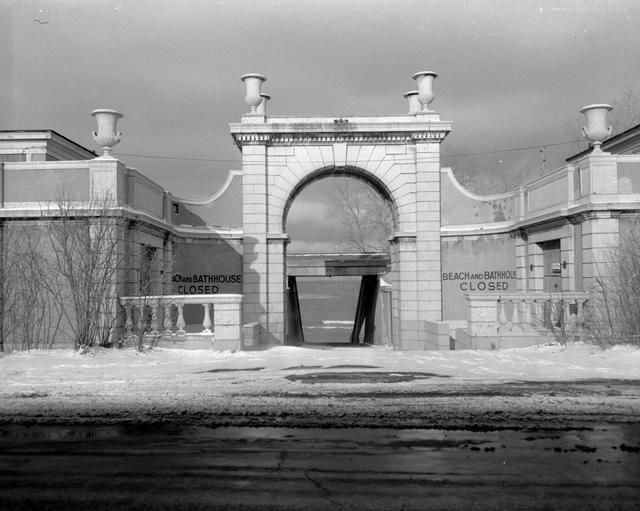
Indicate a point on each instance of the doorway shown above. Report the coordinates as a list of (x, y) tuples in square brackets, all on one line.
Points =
[(551, 258), (332, 298)]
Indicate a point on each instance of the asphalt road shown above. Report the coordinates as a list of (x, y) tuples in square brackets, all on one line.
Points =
[(177, 466), (338, 438)]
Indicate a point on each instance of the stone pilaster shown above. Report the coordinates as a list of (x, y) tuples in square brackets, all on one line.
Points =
[(567, 261), (395, 299), (407, 321), (535, 271), (105, 177), (603, 173), (522, 261), (254, 222), (600, 232), (428, 263), (276, 292), (167, 265)]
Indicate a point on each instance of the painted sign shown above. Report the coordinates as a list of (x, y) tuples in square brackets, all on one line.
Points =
[(488, 280), (203, 284), (207, 268), (484, 265)]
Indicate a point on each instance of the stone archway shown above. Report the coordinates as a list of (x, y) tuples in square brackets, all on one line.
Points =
[(334, 172), (352, 255), (399, 155)]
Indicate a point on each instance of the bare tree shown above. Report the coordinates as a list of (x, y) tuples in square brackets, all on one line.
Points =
[(625, 115), (150, 312), (494, 183), (626, 111), (615, 306), (87, 252), (31, 316), (364, 216), (479, 179), (60, 276)]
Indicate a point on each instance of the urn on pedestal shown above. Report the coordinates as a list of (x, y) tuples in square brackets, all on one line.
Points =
[(414, 105), (262, 107), (425, 88), (253, 84), (107, 135), (596, 129)]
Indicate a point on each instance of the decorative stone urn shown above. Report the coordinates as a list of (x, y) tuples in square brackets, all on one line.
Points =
[(414, 104), (262, 107), (253, 84), (596, 129), (425, 88), (107, 136)]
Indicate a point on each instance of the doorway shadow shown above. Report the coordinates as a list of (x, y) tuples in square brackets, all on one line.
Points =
[(332, 345)]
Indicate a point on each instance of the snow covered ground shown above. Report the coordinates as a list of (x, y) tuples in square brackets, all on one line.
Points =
[(538, 363), (343, 386), (546, 421)]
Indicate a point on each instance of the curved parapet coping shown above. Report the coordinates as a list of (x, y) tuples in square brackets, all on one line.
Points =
[(459, 206), (207, 232), (223, 208), (221, 191), (471, 195), (477, 229)]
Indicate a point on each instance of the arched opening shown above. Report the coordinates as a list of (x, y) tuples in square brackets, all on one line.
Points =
[(339, 224)]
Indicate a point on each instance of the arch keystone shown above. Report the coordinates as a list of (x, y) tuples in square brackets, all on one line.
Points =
[(340, 154)]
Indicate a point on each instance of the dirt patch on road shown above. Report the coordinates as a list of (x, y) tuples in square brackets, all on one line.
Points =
[(241, 370), (361, 377)]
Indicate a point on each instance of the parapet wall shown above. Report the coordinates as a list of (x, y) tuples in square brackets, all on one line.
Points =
[(459, 206), (597, 181), (222, 209)]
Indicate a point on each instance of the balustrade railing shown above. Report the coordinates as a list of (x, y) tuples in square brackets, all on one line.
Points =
[(545, 310), (162, 317), (491, 314)]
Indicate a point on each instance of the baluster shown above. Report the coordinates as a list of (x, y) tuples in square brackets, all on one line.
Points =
[(502, 316), (180, 323), (580, 314), (545, 313), (558, 310), (141, 322), (167, 324), (515, 315), (128, 324), (527, 313), (535, 312), (206, 323), (154, 319)]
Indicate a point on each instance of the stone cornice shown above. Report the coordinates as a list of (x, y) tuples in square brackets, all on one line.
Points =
[(572, 215), (252, 139), (335, 138), (407, 237), (322, 131)]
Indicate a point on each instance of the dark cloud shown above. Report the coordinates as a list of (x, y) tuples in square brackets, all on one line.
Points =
[(511, 74)]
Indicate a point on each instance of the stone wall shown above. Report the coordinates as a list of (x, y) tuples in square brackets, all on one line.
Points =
[(485, 264)]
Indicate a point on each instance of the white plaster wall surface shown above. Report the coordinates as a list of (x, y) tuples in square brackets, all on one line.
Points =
[(25, 182), (549, 193)]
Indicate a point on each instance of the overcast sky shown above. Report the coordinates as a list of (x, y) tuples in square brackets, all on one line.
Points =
[(512, 74)]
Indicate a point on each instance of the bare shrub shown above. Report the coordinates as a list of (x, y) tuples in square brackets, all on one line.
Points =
[(87, 253), (562, 319), (59, 277), (31, 317), (147, 316), (615, 306)]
